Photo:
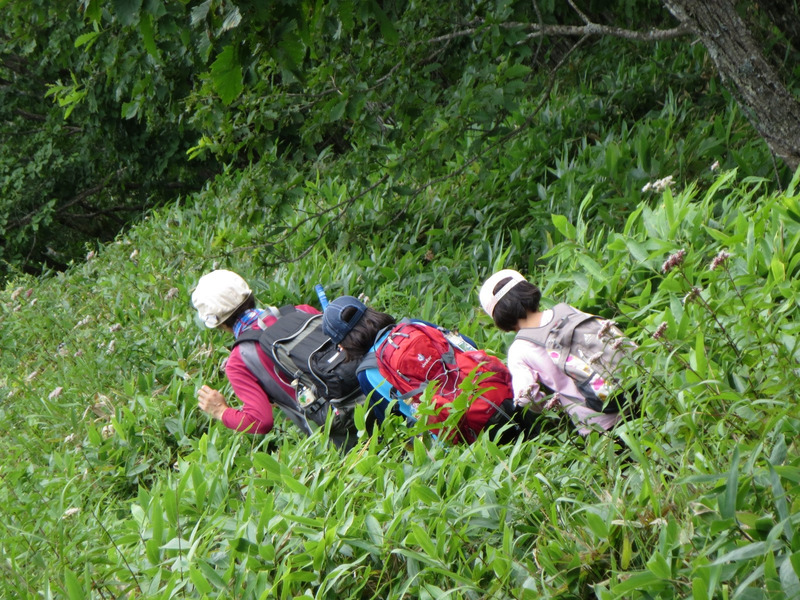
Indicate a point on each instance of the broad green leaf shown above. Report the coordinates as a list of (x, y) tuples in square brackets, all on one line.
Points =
[(127, 11), (727, 500), (86, 39), (563, 226), (642, 580), (199, 580), (747, 552), (597, 524), (387, 27), (148, 36), (74, 588), (778, 269), (226, 75), (789, 571), (700, 361), (517, 70), (338, 110), (424, 493), (658, 566), (211, 575), (699, 589), (177, 543)]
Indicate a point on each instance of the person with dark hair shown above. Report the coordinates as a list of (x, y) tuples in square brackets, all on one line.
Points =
[(224, 300), (358, 329), (513, 303)]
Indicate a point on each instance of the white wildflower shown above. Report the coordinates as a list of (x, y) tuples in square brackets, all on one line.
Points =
[(91, 255), (692, 294), (15, 294), (83, 322), (55, 393), (115, 327), (69, 512), (133, 255), (719, 260), (70, 438), (659, 185), (107, 431), (662, 184), (31, 376), (715, 165), (675, 260), (172, 293), (111, 345)]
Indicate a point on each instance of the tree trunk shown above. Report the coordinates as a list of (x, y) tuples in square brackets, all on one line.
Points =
[(773, 110)]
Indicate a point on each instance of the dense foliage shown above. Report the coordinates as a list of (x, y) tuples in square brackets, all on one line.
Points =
[(109, 108), (113, 482), (365, 153)]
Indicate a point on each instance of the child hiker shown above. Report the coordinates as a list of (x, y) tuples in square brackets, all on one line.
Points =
[(540, 372)]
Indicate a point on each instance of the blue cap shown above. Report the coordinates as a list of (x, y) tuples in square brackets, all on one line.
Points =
[(333, 325)]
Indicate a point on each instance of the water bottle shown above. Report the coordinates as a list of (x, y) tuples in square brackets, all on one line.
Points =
[(323, 299), (458, 341)]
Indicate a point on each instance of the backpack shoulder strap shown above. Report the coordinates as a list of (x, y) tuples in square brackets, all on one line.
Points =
[(249, 335), (370, 361), (276, 393), (286, 310), (539, 335)]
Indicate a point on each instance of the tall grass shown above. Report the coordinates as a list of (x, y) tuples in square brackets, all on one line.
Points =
[(114, 485)]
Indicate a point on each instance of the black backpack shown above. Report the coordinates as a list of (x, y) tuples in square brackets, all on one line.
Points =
[(310, 362)]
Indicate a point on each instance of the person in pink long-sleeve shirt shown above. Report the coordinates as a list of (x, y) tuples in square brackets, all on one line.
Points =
[(224, 300), (513, 304)]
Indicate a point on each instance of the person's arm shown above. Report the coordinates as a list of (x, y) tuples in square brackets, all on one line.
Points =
[(525, 377), (211, 402), (255, 416)]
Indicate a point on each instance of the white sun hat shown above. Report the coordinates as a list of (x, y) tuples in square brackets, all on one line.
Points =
[(488, 298), (217, 296)]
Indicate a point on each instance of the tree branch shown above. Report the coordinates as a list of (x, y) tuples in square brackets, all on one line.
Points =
[(341, 207)]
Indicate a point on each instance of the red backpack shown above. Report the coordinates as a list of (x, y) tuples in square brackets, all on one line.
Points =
[(415, 354)]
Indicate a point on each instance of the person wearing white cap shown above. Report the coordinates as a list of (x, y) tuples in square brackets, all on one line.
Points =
[(224, 301), (513, 303)]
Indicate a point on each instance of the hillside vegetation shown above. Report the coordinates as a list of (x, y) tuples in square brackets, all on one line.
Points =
[(114, 484)]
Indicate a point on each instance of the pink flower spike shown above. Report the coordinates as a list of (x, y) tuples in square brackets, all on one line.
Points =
[(659, 333), (675, 260), (719, 260)]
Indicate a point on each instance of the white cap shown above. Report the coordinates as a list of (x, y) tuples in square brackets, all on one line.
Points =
[(487, 296), (217, 296)]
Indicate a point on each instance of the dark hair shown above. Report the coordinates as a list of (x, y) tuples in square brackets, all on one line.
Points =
[(361, 338), (520, 300), (249, 302)]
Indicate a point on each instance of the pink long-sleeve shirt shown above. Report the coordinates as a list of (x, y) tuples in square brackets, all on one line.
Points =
[(255, 416), (531, 367)]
